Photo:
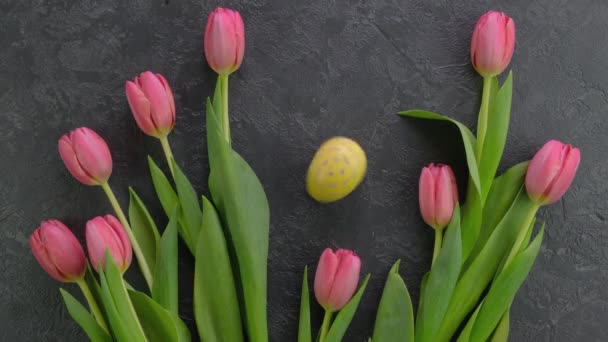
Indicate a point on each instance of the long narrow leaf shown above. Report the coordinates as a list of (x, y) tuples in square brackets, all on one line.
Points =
[(86, 321), (241, 202), (119, 295), (465, 334), (503, 192), (395, 317), (165, 287), (304, 332), (441, 282), (164, 190), (423, 282), (468, 139), (144, 229), (120, 328), (345, 316), (216, 306), (190, 208), (503, 291), (481, 270), (496, 134), (501, 333), (157, 322)]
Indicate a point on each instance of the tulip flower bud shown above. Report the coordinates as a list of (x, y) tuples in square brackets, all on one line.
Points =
[(438, 195), (58, 251), (152, 104), (86, 155), (106, 233), (492, 43), (336, 278), (551, 172), (224, 40)]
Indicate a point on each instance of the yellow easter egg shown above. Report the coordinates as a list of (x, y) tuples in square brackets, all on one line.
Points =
[(336, 169)]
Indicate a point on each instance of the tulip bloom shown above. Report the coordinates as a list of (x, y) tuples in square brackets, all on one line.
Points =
[(86, 155), (438, 195), (551, 172), (492, 43), (224, 40), (106, 233), (152, 104), (336, 278), (58, 251)]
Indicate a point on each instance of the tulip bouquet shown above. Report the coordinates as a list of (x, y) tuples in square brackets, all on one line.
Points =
[(482, 252), (227, 234)]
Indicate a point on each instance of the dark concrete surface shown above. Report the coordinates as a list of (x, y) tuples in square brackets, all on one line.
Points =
[(313, 69)]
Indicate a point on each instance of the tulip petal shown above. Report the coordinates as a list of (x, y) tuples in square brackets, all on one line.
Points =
[(543, 168), (426, 195), (324, 276), (445, 199), (563, 181), (346, 278), (140, 107), (92, 153), (160, 108)]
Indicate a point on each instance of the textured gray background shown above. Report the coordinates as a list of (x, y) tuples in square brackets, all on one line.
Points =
[(312, 69)]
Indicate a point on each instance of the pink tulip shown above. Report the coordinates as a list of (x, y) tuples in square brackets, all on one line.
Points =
[(438, 195), (58, 251), (106, 233), (551, 172), (224, 40), (86, 156), (152, 104), (492, 43), (336, 278)]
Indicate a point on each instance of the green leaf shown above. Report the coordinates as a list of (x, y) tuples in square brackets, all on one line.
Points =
[(93, 284), (471, 221), (503, 192), (144, 229), (522, 247), (122, 329), (465, 334), (342, 321), (241, 202), (425, 279), (395, 317), (441, 282), (166, 195), (190, 208), (481, 270), (216, 307), (496, 134), (165, 286), (158, 323), (86, 321), (501, 333), (503, 290), (467, 138), (304, 331), (120, 298)]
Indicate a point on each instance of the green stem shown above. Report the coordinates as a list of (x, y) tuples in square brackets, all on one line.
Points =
[(145, 269), (92, 304), (225, 116), (325, 325), (164, 141), (523, 231), (482, 123), (437, 247)]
